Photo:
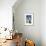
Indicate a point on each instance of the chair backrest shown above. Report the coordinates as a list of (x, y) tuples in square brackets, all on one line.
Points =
[(18, 37)]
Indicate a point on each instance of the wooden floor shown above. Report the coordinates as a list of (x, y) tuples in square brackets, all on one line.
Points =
[(9, 43)]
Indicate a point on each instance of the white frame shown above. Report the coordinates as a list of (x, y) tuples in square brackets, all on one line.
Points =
[(31, 19)]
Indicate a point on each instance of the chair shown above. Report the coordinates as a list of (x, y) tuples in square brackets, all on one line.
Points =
[(18, 39), (29, 43)]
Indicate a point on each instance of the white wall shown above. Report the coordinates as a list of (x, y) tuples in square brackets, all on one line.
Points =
[(31, 32), (43, 22), (6, 13)]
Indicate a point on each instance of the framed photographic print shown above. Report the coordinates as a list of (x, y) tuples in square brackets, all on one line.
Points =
[(28, 19)]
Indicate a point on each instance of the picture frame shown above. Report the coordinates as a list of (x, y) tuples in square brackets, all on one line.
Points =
[(28, 19)]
